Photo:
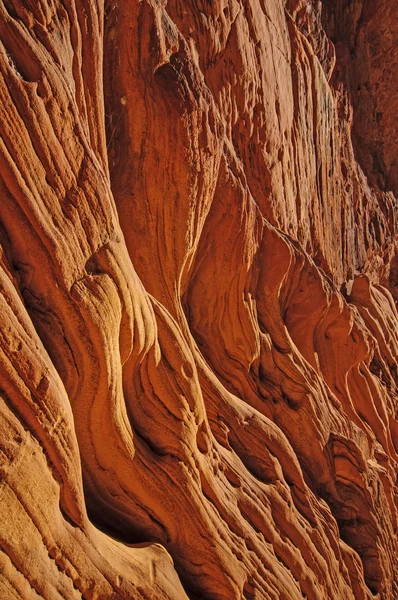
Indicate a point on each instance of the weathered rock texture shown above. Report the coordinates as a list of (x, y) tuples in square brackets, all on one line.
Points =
[(198, 363)]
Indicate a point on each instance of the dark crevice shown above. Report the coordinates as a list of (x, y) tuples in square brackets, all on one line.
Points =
[(360, 67)]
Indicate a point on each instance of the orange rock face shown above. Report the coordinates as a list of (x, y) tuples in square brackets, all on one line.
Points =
[(198, 266)]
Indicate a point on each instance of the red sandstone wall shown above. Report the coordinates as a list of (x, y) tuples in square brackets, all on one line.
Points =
[(198, 265)]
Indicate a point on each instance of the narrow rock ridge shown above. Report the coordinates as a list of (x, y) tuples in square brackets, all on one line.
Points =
[(198, 276)]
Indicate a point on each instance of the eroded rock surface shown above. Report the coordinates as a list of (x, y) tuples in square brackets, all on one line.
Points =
[(198, 266)]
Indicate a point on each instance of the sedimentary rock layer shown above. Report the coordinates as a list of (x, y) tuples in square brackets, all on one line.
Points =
[(198, 265)]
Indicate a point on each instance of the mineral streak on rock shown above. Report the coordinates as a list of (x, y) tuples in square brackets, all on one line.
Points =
[(198, 271)]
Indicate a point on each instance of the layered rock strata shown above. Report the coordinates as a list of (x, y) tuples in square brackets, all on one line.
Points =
[(198, 265)]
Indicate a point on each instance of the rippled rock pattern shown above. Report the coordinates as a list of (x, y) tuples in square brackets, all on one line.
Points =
[(198, 266)]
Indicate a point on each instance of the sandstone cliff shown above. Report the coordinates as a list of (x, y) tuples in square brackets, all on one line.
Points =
[(198, 266)]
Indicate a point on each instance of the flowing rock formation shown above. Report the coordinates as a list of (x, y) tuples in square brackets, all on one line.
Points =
[(198, 266)]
